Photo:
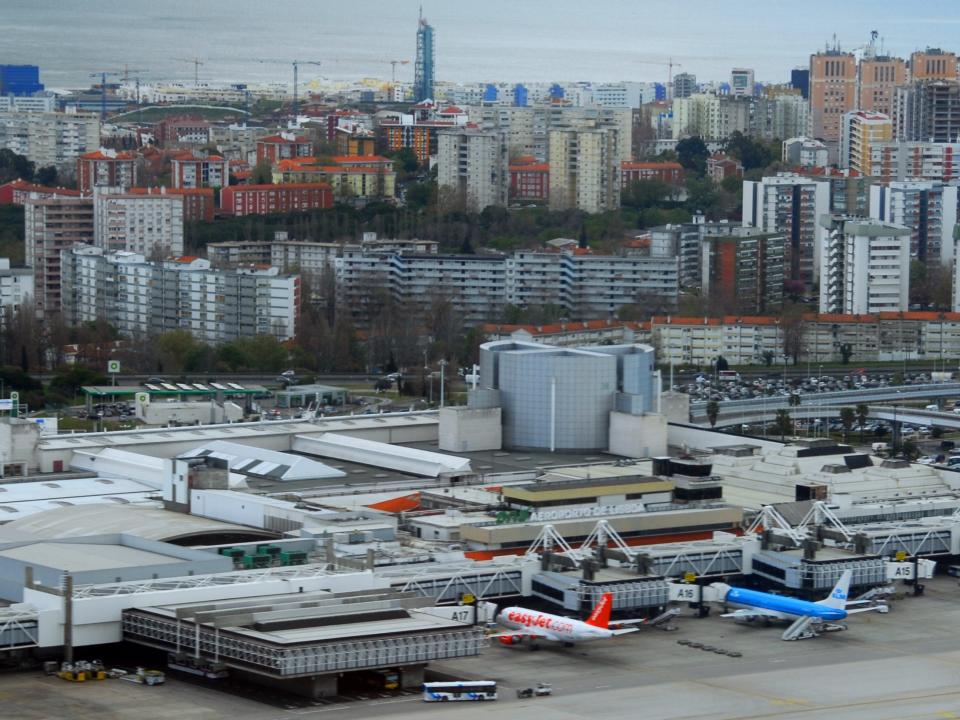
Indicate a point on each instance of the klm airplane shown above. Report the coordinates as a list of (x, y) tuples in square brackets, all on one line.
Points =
[(809, 618)]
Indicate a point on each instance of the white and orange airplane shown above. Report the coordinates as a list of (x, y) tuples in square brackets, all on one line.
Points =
[(523, 623)]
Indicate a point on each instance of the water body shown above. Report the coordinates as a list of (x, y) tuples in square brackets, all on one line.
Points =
[(489, 40)]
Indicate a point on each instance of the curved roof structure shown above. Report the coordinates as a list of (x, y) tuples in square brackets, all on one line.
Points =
[(146, 522)]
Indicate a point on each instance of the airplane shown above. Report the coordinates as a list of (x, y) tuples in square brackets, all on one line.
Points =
[(808, 617), (526, 623)]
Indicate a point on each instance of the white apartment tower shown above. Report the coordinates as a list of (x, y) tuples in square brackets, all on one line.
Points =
[(149, 224), (866, 266), (926, 208), (473, 167)]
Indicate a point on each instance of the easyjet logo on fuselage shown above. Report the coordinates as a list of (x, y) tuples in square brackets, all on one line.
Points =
[(538, 620)]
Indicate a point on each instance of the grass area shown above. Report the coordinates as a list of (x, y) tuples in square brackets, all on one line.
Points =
[(159, 112), (73, 424)]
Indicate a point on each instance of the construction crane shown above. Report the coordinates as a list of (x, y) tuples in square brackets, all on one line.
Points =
[(670, 64), (103, 90), (136, 77), (393, 66), (196, 62), (296, 69)]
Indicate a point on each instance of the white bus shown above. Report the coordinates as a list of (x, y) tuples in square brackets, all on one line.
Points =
[(460, 690)]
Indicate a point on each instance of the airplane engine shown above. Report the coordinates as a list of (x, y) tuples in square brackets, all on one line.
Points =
[(511, 639)]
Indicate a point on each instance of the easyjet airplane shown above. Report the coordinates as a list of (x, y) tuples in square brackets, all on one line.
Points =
[(525, 623)]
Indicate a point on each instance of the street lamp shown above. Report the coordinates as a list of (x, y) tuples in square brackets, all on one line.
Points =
[(443, 368)]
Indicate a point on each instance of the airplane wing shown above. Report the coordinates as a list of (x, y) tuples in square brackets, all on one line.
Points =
[(753, 613), (872, 608), (624, 631), (618, 623)]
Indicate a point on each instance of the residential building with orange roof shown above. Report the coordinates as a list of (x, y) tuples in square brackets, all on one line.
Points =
[(269, 199), (199, 204), (17, 191), (283, 146), (351, 178), (192, 170), (106, 167), (530, 181), (720, 167), (632, 171)]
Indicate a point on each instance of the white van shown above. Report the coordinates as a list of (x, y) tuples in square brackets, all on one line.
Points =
[(880, 447), (935, 408)]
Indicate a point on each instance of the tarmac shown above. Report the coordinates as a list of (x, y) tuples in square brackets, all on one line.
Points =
[(904, 664)]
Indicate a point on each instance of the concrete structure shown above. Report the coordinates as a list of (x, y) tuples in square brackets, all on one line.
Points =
[(585, 169), (412, 461), (790, 205), (879, 78), (928, 111), (472, 168), (306, 395), (743, 269), (805, 152), (423, 68), (684, 85), (106, 167), (148, 224), (268, 199), (190, 170), (861, 130), (52, 225), (176, 414), (141, 298), (833, 92), (49, 138), (563, 399), (866, 267), (903, 160), (927, 208)]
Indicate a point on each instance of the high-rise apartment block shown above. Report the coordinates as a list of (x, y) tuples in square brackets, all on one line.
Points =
[(423, 67), (585, 169), (142, 298), (790, 205), (741, 82), (684, 85), (928, 111), (861, 131), (148, 224), (52, 225), (472, 168), (710, 116), (833, 92), (879, 78), (933, 64), (743, 269), (50, 138), (928, 209), (106, 167), (865, 268)]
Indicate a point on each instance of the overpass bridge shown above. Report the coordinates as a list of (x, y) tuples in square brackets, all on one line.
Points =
[(889, 413), (845, 398)]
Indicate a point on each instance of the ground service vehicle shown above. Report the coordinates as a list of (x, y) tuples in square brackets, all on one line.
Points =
[(542, 689), (460, 690)]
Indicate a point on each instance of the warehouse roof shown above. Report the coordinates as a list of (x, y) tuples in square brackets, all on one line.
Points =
[(78, 557), (369, 452), (264, 463)]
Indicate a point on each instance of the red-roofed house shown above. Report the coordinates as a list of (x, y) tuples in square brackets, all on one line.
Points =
[(720, 167), (189, 170), (16, 191), (530, 181), (631, 171)]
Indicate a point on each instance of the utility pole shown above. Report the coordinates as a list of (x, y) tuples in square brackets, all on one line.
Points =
[(443, 368)]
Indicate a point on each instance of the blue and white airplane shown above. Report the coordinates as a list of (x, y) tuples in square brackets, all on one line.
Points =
[(808, 617)]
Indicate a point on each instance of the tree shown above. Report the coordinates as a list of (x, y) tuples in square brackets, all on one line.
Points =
[(14, 166), (752, 153), (692, 153), (713, 412), (846, 352), (722, 364), (47, 176), (910, 450), (794, 400), (768, 357), (862, 412), (847, 417), (643, 194), (262, 173), (783, 423)]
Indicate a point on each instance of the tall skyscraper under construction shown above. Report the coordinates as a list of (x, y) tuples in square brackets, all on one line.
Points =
[(423, 72)]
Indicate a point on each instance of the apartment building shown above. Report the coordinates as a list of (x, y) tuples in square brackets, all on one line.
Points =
[(741, 82), (903, 160), (684, 85), (928, 209), (106, 167), (585, 169), (17, 191), (861, 131), (599, 285), (805, 152), (50, 138), (743, 269), (529, 181), (928, 111), (142, 298), (51, 225), (880, 75), (833, 93), (668, 171), (865, 267), (684, 241), (350, 177), (198, 203), (712, 117), (283, 146), (474, 284), (148, 224), (190, 170), (790, 205), (933, 64), (472, 168), (237, 142), (16, 287), (269, 199)]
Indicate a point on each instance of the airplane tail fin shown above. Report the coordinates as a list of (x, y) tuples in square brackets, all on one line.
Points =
[(600, 617), (838, 597)]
